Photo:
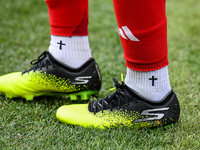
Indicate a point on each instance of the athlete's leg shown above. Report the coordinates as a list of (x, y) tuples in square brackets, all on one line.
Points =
[(69, 31), (143, 34), (68, 68), (146, 98)]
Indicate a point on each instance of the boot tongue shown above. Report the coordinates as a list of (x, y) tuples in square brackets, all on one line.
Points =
[(49, 56)]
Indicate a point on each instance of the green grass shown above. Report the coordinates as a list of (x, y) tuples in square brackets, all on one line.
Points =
[(24, 34)]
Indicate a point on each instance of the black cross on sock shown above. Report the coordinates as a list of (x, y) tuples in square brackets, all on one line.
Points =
[(60, 44), (153, 79)]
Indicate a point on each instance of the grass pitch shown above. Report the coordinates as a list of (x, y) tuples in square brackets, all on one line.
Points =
[(24, 34)]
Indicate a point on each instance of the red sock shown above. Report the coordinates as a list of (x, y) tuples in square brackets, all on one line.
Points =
[(68, 18), (143, 33)]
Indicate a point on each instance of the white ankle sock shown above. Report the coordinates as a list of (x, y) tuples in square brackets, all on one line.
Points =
[(73, 51), (153, 85)]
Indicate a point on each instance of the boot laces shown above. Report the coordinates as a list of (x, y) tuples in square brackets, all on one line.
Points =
[(116, 99), (40, 62)]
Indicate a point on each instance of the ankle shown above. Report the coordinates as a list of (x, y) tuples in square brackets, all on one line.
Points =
[(73, 51), (153, 85)]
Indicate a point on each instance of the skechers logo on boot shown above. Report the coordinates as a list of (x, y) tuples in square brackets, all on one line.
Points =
[(82, 80), (152, 116)]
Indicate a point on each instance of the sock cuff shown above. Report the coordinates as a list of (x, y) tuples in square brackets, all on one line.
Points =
[(68, 18), (148, 67), (59, 31)]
